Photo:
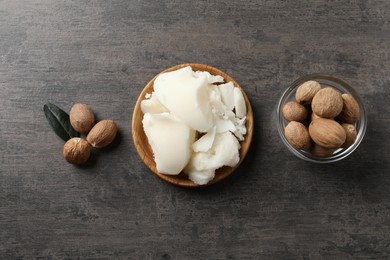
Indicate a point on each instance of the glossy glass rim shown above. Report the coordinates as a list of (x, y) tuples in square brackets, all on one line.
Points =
[(326, 79)]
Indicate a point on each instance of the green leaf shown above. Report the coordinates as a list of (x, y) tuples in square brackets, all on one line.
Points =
[(59, 121)]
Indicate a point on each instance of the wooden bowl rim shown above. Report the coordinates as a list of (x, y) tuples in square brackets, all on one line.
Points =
[(181, 179)]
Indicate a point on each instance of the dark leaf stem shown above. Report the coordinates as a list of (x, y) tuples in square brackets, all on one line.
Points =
[(59, 121)]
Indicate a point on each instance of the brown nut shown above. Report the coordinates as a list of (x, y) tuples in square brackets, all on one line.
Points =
[(102, 134), (297, 135), (81, 118), (76, 150), (351, 135), (327, 103), (327, 133), (320, 151), (293, 111), (307, 91), (350, 112)]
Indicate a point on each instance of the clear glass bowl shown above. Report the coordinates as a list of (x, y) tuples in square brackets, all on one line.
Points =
[(342, 86)]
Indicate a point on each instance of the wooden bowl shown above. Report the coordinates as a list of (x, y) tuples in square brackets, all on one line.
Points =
[(145, 151)]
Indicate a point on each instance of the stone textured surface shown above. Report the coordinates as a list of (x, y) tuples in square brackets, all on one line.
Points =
[(274, 207)]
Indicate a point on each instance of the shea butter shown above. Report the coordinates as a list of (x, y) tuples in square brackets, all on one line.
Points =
[(171, 141), (194, 121), (186, 96)]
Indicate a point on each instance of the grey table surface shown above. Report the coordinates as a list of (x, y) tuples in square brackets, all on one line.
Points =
[(275, 206)]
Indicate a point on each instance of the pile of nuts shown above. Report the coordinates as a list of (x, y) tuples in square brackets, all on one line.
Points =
[(321, 120), (77, 150)]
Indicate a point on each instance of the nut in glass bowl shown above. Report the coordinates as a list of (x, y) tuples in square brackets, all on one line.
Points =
[(334, 118)]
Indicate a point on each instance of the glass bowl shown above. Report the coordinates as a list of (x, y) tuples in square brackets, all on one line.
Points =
[(343, 87)]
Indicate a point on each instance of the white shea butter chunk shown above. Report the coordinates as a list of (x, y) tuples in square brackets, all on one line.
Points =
[(152, 105), (224, 152), (217, 107), (239, 103), (210, 78), (186, 95), (201, 177), (171, 141), (227, 93), (205, 143), (240, 128), (224, 125)]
